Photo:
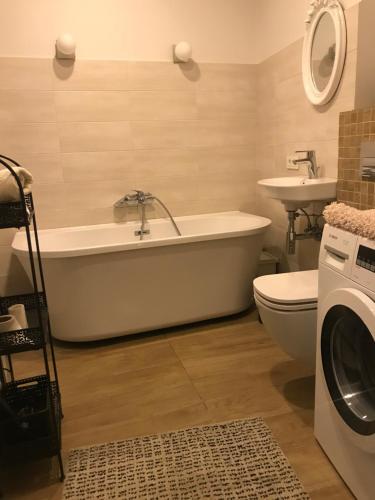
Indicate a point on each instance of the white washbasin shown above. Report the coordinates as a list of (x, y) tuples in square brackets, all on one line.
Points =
[(299, 192)]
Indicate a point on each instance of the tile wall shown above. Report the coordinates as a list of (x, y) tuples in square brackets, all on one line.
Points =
[(356, 128), (287, 122), (198, 136), (92, 131)]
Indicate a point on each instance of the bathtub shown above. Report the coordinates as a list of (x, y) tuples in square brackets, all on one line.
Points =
[(102, 281)]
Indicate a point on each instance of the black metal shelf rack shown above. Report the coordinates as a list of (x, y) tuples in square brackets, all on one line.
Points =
[(30, 409)]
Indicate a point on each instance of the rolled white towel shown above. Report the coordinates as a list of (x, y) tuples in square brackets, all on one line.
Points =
[(9, 190)]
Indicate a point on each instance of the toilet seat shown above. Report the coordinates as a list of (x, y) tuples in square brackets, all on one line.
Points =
[(303, 306), (288, 291)]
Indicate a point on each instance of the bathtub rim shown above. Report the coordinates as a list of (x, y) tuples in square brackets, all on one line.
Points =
[(19, 246)]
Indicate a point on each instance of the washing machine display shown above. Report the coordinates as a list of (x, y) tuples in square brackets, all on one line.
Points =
[(366, 258), (348, 354)]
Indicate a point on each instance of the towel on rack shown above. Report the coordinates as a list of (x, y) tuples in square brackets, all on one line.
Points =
[(361, 222), (9, 190)]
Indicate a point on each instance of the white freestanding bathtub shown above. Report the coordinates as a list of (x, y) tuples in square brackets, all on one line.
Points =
[(102, 281)]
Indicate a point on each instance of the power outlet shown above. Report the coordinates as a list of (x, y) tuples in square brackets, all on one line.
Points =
[(290, 165)]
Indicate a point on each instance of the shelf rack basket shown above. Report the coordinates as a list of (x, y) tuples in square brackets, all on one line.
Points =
[(30, 409)]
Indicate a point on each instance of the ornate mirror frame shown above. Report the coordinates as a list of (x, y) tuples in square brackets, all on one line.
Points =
[(315, 14)]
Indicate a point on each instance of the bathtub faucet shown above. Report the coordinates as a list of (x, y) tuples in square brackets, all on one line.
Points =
[(140, 199), (132, 200)]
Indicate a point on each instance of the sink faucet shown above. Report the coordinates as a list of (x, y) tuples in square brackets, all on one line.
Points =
[(308, 159)]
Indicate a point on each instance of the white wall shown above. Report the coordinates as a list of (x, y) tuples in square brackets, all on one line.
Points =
[(281, 22), (144, 30), (222, 31)]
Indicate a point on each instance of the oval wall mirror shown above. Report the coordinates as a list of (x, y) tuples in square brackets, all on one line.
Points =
[(324, 50)]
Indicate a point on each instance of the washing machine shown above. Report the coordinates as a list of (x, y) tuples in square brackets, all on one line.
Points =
[(345, 360)]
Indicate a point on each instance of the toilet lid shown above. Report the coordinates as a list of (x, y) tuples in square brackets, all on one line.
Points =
[(292, 307), (289, 288)]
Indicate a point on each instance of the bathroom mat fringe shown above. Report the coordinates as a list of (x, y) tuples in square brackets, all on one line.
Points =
[(236, 459)]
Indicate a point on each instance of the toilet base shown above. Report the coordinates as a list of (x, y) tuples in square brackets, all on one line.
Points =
[(294, 331)]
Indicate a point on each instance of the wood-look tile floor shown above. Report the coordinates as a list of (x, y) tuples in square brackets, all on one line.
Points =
[(211, 372)]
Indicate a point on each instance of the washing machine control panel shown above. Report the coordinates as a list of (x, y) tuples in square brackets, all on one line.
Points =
[(366, 258), (338, 250), (364, 265)]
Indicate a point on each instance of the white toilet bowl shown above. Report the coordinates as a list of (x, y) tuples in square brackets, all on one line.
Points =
[(287, 304)]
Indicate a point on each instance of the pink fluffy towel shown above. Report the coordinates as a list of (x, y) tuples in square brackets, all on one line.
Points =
[(361, 222)]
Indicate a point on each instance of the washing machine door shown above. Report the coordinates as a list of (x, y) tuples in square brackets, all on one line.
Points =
[(348, 357)]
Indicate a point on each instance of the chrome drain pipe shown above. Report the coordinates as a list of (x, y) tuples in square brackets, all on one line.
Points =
[(313, 230)]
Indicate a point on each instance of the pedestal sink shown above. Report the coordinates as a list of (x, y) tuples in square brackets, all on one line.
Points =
[(299, 192)]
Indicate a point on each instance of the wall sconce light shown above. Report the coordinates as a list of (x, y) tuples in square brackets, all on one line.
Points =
[(182, 52), (65, 47)]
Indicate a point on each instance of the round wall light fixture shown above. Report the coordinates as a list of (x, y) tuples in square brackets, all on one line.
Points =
[(65, 47), (182, 52)]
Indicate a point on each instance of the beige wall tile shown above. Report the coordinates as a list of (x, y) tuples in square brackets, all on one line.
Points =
[(92, 106), (206, 205), (95, 166), (94, 194), (280, 66), (54, 217), (205, 76), (43, 167), (159, 134), (165, 187), (348, 82), (160, 76), (19, 138), (94, 136), (234, 193), (26, 106), (161, 105), (351, 17), (174, 163), (49, 197), (226, 77), (25, 74), (232, 159), (90, 75), (225, 104), (216, 133), (84, 217)]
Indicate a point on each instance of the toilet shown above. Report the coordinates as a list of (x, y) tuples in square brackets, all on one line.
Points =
[(287, 305)]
